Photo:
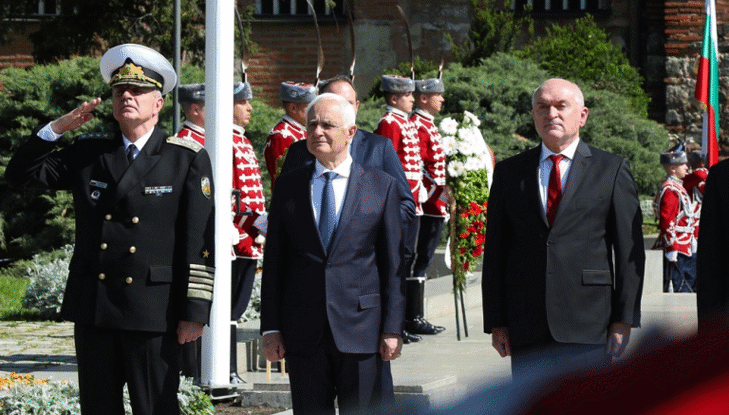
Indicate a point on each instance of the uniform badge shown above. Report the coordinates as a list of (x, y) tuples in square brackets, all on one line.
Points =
[(95, 195), (205, 185)]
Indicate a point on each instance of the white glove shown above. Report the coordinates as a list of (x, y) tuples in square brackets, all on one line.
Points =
[(672, 256)]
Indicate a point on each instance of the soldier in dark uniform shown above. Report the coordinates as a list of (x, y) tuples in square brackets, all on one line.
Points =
[(141, 278)]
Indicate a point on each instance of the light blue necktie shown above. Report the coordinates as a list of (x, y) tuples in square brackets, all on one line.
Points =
[(327, 219)]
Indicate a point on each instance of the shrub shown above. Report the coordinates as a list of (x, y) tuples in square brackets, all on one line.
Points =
[(499, 93), (47, 284), (23, 394), (581, 51)]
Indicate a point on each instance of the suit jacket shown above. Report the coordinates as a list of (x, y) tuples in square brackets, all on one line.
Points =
[(354, 289), (143, 258), (369, 150), (563, 282), (712, 278)]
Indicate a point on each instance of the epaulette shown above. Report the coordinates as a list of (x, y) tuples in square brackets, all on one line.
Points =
[(183, 142), (96, 136)]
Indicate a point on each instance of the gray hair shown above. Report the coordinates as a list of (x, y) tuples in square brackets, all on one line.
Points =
[(348, 113)]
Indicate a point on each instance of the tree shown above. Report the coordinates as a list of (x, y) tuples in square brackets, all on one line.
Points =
[(493, 29)]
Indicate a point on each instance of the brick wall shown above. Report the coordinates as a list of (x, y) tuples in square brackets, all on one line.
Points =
[(18, 51)]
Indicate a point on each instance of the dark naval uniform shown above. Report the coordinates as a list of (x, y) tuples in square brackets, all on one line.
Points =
[(143, 259)]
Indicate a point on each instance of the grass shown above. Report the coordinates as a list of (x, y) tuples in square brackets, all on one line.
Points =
[(12, 290)]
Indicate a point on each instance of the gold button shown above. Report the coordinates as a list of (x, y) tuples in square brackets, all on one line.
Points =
[(102, 276), (107, 217), (135, 220), (132, 249), (104, 246), (129, 280)]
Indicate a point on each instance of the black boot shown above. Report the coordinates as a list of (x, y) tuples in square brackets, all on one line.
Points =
[(415, 323), (235, 379)]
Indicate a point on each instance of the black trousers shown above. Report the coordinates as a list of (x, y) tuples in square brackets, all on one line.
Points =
[(145, 361), (355, 380), (242, 276), (428, 238)]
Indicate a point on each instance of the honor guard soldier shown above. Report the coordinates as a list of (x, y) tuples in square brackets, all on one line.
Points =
[(677, 217), (396, 126), (428, 101), (141, 279), (249, 208), (290, 128), (694, 182)]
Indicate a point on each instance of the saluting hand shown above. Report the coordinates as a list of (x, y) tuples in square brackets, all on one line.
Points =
[(75, 118)]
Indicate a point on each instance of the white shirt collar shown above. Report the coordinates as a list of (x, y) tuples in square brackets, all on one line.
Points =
[(397, 111), (343, 169), (293, 122), (424, 114), (568, 152), (194, 126), (141, 141)]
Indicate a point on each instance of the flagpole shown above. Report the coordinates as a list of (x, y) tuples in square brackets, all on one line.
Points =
[(219, 55), (707, 86)]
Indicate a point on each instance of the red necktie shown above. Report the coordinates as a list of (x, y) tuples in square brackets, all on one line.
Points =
[(554, 193)]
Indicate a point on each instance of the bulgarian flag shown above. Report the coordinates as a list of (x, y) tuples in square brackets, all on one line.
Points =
[(707, 86)]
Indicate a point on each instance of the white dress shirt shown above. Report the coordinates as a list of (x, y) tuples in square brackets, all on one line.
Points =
[(339, 184), (545, 169)]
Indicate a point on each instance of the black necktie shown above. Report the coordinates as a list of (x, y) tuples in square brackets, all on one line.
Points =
[(327, 219), (131, 153)]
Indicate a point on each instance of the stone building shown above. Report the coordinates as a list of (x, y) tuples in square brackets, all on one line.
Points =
[(662, 38)]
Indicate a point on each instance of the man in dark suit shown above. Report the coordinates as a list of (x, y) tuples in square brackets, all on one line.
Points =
[(564, 256), (712, 279), (141, 277), (369, 150), (331, 297)]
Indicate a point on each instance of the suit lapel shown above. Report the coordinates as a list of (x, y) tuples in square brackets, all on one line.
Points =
[(530, 184), (146, 159), (116, 162), (351, 201), (576, 175)]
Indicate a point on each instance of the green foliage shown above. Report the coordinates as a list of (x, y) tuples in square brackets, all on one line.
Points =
[(582, 52), (27, 395), (493, 30), (47, 284), (499, 93)]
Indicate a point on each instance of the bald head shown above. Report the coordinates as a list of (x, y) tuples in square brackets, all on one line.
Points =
[(559, 112), (344, 88)]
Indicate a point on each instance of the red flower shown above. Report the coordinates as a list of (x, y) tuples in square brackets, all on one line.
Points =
[(474, 209), (465, 266), (464, 214), (463, 250), (478, 251), (464, 235), (480, 239)]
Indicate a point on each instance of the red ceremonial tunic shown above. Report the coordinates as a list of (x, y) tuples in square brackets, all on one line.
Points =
[(396, 126), (282, 135), (694, 183), (247, 183), (434, 163), (677, 218)]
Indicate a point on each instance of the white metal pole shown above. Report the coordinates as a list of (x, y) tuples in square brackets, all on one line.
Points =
[(219, 53)]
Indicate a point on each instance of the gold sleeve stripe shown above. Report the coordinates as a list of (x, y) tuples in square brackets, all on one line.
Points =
[(203, 295), (206, 281), (199, 267), (202, 274), (200, 287)]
